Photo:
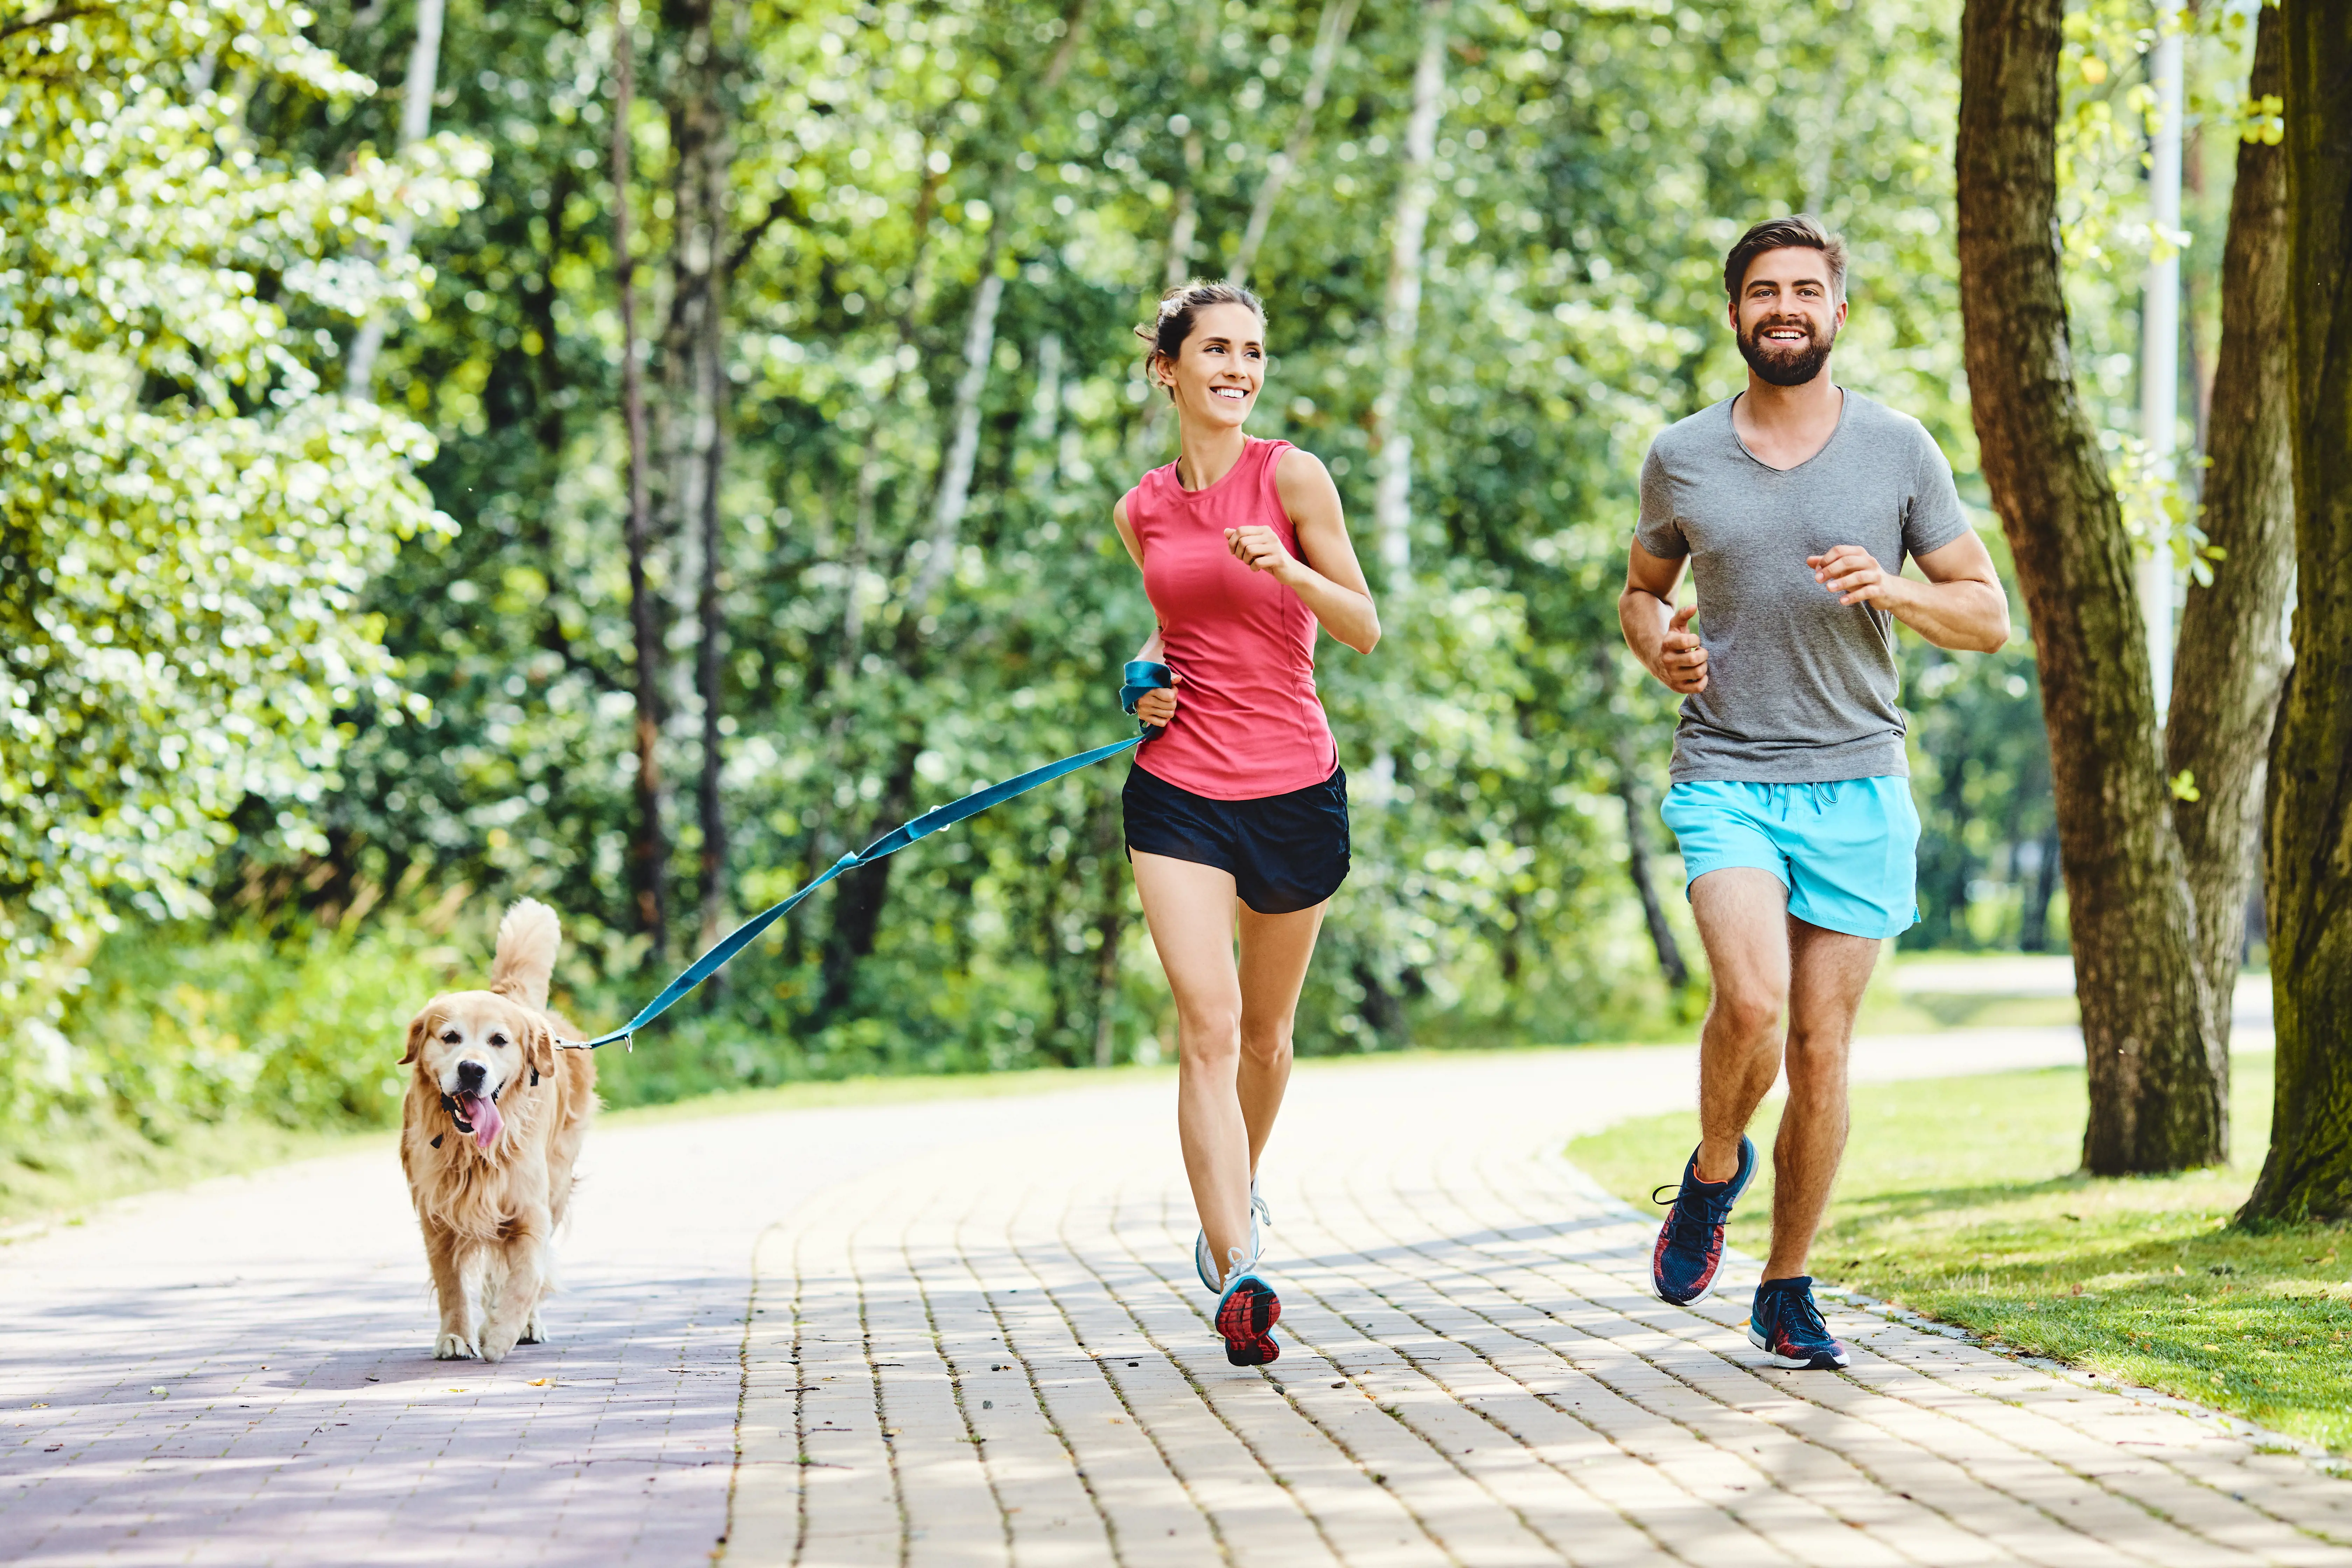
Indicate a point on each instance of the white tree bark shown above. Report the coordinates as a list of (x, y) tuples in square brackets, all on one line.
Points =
[(416, 121), (1330, 34), (954, 491), (964, 450), (1401, 321)]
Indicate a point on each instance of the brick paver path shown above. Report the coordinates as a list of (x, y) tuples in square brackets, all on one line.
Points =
[(973, 1336)]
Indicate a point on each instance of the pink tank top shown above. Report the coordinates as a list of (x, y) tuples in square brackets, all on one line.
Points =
[(1248, 724)]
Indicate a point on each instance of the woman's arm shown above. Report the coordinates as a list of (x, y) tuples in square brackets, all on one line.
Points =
[(1329, 580), (1152, 707)]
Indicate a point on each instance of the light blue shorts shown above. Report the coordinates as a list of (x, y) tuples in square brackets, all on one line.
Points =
[(1847, 852)]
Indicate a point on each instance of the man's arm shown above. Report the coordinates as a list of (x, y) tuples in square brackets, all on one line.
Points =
[(1959, 607), (1656, 631)]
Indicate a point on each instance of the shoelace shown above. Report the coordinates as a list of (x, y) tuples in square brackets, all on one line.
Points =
[(1800, 1318), (1712, 1210), (1235, 1267)]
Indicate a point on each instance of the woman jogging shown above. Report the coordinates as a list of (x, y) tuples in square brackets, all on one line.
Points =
[(1236, 810)]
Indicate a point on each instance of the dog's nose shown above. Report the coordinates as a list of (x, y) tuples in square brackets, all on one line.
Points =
[(470, 1077)]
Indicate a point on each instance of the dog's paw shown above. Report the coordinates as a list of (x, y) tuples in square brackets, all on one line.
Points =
[(452, 1347), (534, 1330), (497, 1340)]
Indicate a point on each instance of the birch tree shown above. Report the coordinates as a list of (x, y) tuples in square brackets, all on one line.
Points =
[(1401, 312)]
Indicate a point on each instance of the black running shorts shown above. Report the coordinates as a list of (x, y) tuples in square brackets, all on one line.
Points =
[(1286, 852)]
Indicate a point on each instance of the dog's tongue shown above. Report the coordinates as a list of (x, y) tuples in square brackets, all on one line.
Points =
[(483, 1113)]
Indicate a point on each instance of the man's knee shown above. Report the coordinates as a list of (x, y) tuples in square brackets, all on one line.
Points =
[(1750, 1011), (1816, 1068)]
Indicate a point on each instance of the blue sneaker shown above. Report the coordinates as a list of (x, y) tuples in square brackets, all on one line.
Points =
[(1690, 1243), (1205, 1265), (1786, 1324)]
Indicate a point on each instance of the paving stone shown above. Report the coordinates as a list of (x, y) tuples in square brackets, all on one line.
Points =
[(969, 1335)]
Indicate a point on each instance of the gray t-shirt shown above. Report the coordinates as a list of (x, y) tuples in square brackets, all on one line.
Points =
[(1801, 690)]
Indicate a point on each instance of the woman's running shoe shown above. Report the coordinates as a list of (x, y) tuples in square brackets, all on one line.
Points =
[(1786, 1324), (1690, 1243), (1205, 1262), (1246, 1313)]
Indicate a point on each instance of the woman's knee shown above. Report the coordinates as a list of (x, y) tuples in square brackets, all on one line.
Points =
[(1265, 1045), (1210, 1033)]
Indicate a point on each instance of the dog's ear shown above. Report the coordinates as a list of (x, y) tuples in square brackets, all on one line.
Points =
[(539, 1048), (416, 1027)]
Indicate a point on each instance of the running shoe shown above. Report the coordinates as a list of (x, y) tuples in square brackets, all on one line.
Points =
[(1786, 1324), (1205, 1262), (1246, 1313), (1690, 1243)]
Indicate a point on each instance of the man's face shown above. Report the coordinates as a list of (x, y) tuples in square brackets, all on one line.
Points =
[(1787, 317)]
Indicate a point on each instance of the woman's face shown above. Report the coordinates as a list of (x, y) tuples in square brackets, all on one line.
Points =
[(1217, 374)]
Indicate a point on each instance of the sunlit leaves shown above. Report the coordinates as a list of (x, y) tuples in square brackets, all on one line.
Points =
[(188, 525)]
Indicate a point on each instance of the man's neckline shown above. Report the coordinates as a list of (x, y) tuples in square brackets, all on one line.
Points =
[(1731, 419)]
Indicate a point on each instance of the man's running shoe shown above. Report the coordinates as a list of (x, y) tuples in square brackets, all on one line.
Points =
[(1690, 1243), (1786, 1324), (1206, 1263), (1246, 1314)]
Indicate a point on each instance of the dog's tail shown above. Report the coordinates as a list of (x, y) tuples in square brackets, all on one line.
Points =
[(528, 941)]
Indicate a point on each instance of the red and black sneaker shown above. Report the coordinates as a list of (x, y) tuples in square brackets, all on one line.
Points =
[(1786, 1323), (1690, 1243), (1246, 1314)]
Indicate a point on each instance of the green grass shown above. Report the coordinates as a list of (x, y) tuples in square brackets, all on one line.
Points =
[(1960, 1199), (62, 1173)]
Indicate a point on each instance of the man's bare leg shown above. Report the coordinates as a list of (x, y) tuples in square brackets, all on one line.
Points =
[(1828, 972), (1743, 920)]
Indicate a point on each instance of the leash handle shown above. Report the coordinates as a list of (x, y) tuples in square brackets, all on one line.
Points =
[(1143, 675)]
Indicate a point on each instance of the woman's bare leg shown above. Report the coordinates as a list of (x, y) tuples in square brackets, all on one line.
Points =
[(1274, 951), (1233, 1027)]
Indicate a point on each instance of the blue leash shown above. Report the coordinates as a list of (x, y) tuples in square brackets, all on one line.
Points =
[(1141, 676)]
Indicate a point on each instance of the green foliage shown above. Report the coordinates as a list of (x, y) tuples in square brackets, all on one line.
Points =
[(1959, 1199), (372, 697), (188, 523)]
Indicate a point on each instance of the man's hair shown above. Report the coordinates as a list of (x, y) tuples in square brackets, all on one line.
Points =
[(1781, 234)]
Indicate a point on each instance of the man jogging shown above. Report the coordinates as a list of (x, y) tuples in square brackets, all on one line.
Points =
[(1795, 502)]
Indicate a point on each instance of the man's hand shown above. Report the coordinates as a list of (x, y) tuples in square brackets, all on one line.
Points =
[(1854, 574), (1157, 706), (1682, 657), (1960, 605), (1259, 547)]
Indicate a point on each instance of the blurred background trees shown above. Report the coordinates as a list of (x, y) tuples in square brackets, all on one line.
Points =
[(883, 259)]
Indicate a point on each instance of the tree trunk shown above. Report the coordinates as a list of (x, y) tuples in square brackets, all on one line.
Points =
[(2224, 696), (1330, 34), (648, 845), (1401, 316), (693, 369), (859, 896), (416, 120), (1637, 864), (2308, 1174), (2156, 1071), (1110, 919), (2033, 935)]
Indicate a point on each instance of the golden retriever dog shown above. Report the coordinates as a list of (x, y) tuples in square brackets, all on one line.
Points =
[(493, 1120)]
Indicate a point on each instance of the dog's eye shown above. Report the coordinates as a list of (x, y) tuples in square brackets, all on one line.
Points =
[(449, 1038), (497, 1039)]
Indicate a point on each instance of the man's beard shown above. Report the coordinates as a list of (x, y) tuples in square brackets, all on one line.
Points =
[(1791, 365)]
